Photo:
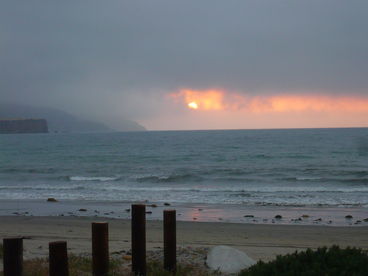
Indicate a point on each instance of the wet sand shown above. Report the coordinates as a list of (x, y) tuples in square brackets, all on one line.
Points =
[(259, 241)]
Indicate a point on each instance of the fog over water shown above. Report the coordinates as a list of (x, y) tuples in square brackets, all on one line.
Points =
[(121, 59)]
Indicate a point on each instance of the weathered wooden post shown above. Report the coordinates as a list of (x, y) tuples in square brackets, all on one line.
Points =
[(170, 240), (58, 259), (13, 256), (100, 248), (139, 239)]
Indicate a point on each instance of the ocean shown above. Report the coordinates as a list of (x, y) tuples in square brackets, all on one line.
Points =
[(285, 167)]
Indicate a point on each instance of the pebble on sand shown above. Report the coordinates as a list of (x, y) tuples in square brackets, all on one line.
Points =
[(348, 216), (278, 217), (51, 199), (167, 204), (82, 210)]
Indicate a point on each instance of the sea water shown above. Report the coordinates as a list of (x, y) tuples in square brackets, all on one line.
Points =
[(294, 167)]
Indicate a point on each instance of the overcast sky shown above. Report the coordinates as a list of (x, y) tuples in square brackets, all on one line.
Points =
[(121, 59)]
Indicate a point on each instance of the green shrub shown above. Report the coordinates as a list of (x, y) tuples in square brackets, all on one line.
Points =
[(324, 261)]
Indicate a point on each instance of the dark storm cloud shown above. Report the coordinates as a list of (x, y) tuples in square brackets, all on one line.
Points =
[(83, 54)]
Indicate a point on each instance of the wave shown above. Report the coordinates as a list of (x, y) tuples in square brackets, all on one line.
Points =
[(168, 178), (29, 170), (93, 178), (327, 179)]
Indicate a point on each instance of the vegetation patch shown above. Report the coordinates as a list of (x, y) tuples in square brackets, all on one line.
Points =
[(81, 266), (332, 261)]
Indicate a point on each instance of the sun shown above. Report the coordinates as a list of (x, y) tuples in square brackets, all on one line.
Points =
[(193, 105)]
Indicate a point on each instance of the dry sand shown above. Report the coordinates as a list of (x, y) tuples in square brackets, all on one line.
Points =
[(257, 240)]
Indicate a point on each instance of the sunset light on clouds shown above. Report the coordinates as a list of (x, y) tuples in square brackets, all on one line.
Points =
[(233, 64), (222, 100), (221, 109)]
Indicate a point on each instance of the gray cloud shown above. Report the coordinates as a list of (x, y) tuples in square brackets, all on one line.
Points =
[(112, 58)]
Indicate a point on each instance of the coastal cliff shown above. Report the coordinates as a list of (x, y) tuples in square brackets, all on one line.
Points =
[(23, 126)]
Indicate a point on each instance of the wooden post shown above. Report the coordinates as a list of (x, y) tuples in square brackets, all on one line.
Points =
[(139, 239), (170, 240), (58, 259), (13, 256), (100, 248)]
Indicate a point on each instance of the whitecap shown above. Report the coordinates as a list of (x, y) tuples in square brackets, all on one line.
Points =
[(92, 178)]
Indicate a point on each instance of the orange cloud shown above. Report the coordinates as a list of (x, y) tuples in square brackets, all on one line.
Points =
[(221, 100)]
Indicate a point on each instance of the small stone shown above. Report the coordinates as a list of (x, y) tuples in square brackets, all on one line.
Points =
[(167, 204), (278, 217), (249, 216), (319, 219), (153, 205), (127, 257), (348, 216), (148, 212), (51, 199), (305, 216), (366, 219), (82, 210)]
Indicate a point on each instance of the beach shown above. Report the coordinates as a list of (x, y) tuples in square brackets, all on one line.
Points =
[(260, 242)]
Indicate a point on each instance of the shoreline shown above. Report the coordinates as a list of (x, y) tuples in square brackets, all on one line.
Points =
[(259, 241), (225, 213)]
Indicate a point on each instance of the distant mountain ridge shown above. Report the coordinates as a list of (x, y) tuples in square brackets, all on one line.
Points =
[(61, 121)]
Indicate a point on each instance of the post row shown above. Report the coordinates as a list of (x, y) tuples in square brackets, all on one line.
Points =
[(58, 256)]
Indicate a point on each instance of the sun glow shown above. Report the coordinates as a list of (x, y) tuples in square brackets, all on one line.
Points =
[(193, 105), (217, 100)]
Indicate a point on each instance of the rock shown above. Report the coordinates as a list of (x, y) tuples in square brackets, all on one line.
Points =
[(278, 217), (366, 219), (319, 219), (127, 257), (305, 216), (249, 216), (23, 126), (226, 259), (51, 199), (167, 204), (153, 205), (82, 210), (348, 216)]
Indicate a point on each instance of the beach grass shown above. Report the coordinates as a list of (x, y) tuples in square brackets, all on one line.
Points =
[(81, 266), (323, 261)]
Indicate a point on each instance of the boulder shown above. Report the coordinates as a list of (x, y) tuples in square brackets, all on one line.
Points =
[(227, 259)]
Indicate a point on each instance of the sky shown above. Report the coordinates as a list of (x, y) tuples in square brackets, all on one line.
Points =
[(194, 64)]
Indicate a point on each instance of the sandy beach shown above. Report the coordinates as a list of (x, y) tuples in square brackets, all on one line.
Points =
[(257, 240)]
